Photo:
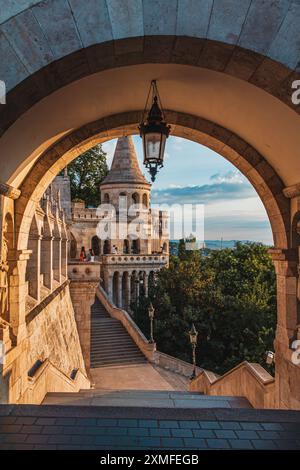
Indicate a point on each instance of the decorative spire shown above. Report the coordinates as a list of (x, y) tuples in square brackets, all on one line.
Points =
[(125, 167)]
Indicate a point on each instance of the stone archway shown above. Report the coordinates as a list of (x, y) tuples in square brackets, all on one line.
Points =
[(246, 158), (225, 75), (263, 177)]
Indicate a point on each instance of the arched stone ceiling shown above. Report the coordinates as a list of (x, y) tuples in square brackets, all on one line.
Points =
[(52, 43), (36, 33), (260, 119)]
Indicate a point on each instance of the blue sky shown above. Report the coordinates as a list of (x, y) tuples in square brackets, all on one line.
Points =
[(194, 173)]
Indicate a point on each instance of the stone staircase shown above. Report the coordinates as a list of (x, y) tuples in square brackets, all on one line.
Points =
[(110, 343)]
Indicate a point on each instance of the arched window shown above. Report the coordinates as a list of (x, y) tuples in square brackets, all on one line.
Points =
[(106, 247), (135, 246), (106, 198), (96, 245), (135, 198), (126, 247), (73, 247), (145, 200)]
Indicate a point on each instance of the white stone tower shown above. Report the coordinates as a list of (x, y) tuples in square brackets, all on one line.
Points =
[(126, 270)]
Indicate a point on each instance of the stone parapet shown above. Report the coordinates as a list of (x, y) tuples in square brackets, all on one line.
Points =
[(174, 364), (155, 259), (84, 271), (247, 380)]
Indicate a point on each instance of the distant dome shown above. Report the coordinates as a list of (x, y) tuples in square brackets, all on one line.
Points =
[(125, 167)]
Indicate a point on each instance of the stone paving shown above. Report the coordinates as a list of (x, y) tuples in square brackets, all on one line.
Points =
[(134, 377), (145, 398), (62, 427)]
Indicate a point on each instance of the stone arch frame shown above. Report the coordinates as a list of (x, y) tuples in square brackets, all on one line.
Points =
[(263, 72), (207, 53)]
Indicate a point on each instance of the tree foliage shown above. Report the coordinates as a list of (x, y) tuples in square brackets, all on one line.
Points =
[(86, 174), (229, 295)]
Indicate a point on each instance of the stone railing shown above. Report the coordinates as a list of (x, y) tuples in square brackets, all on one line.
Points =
[(48, 378), (133, 330), (84, 271), (174, 365), (249, 380), (135, 259)]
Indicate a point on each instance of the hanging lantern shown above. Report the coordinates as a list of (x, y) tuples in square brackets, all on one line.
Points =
[(154, 132)]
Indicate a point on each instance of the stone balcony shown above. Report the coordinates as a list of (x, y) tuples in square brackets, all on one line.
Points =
[(84, 271), (153, 259)]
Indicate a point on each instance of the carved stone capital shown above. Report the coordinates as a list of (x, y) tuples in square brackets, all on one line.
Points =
[(278, 254), (9, 191)]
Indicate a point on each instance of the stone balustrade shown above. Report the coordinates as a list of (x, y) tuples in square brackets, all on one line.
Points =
[(174, 364), (135, 259), (249, 380)]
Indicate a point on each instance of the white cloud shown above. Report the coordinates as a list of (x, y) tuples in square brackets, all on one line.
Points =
[(234, 177)]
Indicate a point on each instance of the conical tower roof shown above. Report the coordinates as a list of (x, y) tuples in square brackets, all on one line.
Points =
[(125, 167)]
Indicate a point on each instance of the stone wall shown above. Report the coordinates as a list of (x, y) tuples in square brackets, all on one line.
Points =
[(53, 335), (52, 338)]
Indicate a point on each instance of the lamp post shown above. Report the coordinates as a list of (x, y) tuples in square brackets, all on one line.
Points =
[(154, 132), (151, 312), (270, 357), (193, 333)]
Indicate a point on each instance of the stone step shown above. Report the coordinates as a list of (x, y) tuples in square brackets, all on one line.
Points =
[(116, 353), (146, 399), (111, 344), (117, 363), (113, 347)]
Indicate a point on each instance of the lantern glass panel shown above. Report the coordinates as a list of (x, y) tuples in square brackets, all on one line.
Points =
[(152, 146)]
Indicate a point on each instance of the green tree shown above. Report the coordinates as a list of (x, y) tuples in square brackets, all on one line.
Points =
[(230, 296), (86, 174)]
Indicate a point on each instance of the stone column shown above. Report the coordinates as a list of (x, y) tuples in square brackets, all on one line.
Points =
[(109, 288), (34, 267), (64, 257), (83, 297), (47, 261), (146, 275), (120, 300), (287, 375), (17, 292), (57, 258), (137, 288), (128, 291)]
